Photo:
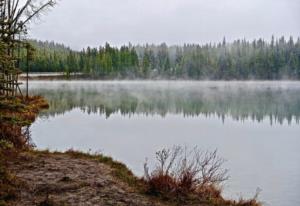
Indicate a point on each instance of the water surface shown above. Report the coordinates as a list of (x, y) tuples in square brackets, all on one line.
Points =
[(254, 125)]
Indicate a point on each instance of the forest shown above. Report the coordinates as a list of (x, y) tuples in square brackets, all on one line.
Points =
[(276, 59)]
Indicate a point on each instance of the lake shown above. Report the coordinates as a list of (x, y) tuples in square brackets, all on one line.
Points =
[(254, 126)]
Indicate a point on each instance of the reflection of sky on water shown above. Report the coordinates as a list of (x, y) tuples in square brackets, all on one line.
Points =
[(112, 118)]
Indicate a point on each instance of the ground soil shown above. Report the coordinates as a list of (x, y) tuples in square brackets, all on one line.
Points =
[(59, 179)]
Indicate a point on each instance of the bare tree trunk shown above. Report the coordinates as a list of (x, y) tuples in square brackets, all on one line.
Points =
[(13, 20)]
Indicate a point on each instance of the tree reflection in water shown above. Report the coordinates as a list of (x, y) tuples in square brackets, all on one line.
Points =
[(277, 101)]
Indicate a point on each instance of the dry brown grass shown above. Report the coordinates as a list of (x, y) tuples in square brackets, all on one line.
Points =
[(8, 182), (17, 113), (120, 170), (181, 176), (186, 176)]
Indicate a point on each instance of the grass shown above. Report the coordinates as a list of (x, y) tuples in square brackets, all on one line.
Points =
[(15, 113), (190, 177), (120, 170), (178, 188), (160, 185), (207, 196), (20, 111), (8, 182)]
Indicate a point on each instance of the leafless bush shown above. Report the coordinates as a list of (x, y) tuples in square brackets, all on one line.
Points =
[(180, 171)]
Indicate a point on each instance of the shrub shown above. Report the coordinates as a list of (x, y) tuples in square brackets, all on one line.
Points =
[(17, 114), (181, 172), (192, 175)]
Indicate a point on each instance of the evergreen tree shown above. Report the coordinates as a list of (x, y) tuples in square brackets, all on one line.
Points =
[(241, 59)]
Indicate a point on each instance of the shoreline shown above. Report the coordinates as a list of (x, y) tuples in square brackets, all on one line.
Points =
[(32, 177), (76, 178), (87, 77)]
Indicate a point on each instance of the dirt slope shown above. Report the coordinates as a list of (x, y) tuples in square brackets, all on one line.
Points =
[(59, 179)]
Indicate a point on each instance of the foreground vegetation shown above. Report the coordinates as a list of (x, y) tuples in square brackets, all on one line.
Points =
[(16, 115), (74, 178), (196, 181), (241, 59), (29, 177)]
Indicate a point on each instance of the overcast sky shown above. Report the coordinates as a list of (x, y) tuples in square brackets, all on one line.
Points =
[(81, 23)]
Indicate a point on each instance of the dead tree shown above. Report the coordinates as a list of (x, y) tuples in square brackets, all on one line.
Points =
[(14, 18)]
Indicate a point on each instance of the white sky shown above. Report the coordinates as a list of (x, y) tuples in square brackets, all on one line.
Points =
[(81, 23)]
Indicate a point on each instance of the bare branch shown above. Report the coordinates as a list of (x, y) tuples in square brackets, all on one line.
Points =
[(186, 170), (21, 11), (36, 12)]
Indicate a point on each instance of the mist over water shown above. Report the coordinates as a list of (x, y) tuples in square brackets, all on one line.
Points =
[(254, 125), (275, 101)]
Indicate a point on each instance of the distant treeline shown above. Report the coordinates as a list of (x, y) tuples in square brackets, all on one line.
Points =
[(241, 59)]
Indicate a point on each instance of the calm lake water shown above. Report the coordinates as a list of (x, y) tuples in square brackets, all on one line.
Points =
[(254, 126)]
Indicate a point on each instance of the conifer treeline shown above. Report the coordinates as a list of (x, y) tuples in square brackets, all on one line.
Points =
[(241, 59)]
